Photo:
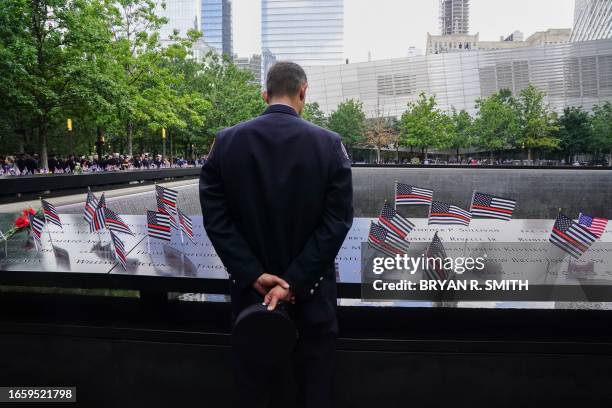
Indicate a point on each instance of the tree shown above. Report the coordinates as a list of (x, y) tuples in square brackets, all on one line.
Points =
[(423, 125), (379, 133), (313, 113), (574, 132), (49, 51), (348, 120), (460, 130), (231, 91), (496, 124), (536, 122), (601, 128)]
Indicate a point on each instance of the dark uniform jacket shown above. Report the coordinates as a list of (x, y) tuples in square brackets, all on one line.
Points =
[(276, 196)]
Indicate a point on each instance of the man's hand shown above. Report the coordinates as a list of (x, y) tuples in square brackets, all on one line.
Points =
[(267, 281), (276, 294)]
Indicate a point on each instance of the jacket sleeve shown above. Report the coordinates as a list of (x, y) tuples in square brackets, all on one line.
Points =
[(306, 270), (235, 253)]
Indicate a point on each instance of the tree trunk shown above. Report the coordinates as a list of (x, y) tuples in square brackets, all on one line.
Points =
[(42, 136), (130, 135), (378, 155), (21, 142), (529, 154), (457, 155), (99, 142)]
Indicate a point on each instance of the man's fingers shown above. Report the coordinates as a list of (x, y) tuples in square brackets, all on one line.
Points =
[(273, 301), (281, 282)]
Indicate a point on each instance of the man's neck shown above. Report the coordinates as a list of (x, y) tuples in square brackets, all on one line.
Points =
[(284, 101)]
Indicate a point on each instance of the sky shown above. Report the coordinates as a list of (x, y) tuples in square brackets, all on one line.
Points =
[(387, 28)]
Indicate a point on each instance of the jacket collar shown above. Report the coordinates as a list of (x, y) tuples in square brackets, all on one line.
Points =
[(280, 108)]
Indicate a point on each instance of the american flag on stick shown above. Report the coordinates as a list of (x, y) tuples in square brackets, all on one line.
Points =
[(489, 206), (119, 249), (158, 225), (386, 241), (169, 197), (163, 208), (51, 214), (595, 225), (394, 222), (100, 216), (445, 214), (89, 212), (115, 223), (186, 224), (36, 226), (406, 194), (571, 237), (436, 256)]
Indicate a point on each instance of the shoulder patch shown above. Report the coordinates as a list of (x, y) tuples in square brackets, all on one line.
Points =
[(344, 151)]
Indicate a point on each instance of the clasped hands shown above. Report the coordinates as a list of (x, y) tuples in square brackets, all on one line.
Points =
[(273, 289)]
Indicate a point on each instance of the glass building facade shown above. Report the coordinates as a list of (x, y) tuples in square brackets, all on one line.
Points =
[(217, 25), (182, 15), (578, 74), (454, 17), (308, 32), (592, 20)]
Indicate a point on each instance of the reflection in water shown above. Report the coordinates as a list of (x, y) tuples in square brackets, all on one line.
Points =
[(62, 258)]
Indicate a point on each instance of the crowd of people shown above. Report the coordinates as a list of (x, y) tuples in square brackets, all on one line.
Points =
[(26, 164)]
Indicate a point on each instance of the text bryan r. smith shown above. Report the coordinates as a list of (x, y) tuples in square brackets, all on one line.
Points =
[(459, 284)]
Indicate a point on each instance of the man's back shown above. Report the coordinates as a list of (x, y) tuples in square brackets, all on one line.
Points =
[(276, 168)]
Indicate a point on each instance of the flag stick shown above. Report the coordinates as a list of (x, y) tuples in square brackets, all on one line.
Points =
[(395, 197), (149, 244)]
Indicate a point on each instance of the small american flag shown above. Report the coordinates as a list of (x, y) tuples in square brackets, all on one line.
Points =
[(444, 214), (89, 212), (595, 225), (119, 249), (394, 222), (488, 206), (163, 208), (100, 213), (410, 195), (36, 226), (186, 225), (570, 236), (51, 214), (115, 223), (158, 225), (386, 242), (168, 197), (436, 256)]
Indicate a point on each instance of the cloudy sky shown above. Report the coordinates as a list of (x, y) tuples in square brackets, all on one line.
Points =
[(387, 28)]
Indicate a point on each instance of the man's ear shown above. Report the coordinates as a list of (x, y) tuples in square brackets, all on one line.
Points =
[(266, 98), (303, 92)]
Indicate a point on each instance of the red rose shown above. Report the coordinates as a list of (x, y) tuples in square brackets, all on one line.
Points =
[(22, 222), (28, 211)]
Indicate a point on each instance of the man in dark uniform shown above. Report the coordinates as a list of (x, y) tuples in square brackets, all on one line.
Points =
[(276, 195)]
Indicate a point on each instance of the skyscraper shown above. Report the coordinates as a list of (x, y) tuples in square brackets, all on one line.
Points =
[(217, 25), (592, 20), (454, 17), (182, 15), (308, 32)]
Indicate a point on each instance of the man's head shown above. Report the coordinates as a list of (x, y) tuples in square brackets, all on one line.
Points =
[(286, 83)]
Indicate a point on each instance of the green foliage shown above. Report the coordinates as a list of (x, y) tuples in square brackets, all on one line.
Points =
[(313, 113), (423, 125), (460, 130), (601, 128), (574, 131), (348, 120), (536, 122), (496, 123), (100, 63)]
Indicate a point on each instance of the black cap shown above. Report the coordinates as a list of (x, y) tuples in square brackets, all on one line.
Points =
[(264, 337)]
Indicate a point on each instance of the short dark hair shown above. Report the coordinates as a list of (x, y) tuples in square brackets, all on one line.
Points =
[(285, 79)]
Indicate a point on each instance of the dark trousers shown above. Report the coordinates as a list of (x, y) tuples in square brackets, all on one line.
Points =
[(311, 372)]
